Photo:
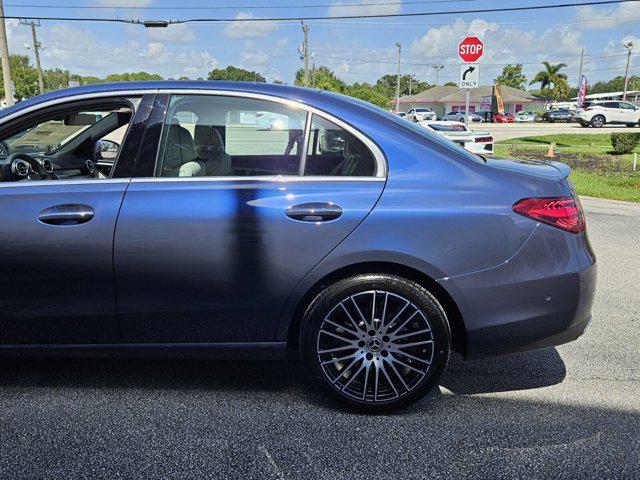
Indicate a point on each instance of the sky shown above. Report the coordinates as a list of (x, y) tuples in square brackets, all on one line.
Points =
[(357, 50)]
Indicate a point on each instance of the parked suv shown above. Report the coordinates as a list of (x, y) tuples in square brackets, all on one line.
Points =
[(598, 114), (420, 115)]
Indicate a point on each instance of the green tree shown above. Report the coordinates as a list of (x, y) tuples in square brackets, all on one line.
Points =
[(91, 80), (132, 77), (550, 77), (56, 79), (512, 76), (616, 84), (235, 74), (325, 80), (386, 85), (451, 84), (561, 90), (24, 76)]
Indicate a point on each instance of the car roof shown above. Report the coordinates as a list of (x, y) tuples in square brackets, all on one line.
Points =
[(304, 95)]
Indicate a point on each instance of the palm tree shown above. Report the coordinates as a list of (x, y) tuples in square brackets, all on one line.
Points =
[(549, 77)]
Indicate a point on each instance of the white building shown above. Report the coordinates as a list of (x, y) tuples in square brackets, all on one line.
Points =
[(443, 99)]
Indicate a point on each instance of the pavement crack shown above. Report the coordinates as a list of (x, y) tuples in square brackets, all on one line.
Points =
[(273, 463)]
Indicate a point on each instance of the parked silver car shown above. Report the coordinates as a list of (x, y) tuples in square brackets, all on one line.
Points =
[(525, 116), (459, 115)]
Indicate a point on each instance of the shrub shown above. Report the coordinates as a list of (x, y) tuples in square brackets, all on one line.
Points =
[(625, 142)]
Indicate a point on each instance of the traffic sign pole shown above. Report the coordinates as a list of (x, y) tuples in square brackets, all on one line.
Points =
[(466, 108), (470, 50)]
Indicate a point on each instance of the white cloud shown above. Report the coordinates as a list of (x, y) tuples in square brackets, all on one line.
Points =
[(282, 42), (248, 29), (351, 8), (502, 46), (604, 18), (179, 33)]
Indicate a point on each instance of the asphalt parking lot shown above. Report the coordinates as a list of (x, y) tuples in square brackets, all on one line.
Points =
[(509, 131), (570, 412)]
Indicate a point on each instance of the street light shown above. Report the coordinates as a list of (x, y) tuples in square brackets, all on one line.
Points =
[(629, 47)]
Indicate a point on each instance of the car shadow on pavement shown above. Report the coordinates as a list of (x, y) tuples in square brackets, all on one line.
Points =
[(519, 371), (511, 372)]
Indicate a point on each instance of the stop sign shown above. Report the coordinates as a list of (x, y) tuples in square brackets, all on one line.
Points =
[(470, 49)]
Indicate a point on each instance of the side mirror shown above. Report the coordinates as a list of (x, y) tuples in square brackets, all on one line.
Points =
[(106, 149)]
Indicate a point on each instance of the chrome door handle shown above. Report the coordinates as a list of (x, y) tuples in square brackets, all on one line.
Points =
[(314, 212), (63, 215)]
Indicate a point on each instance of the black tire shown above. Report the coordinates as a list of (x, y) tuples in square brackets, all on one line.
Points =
[(368, 362), (584, 124), (598, 121), (631, 125), (461, 120)]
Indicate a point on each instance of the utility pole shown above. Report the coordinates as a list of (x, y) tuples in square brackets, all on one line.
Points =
[(629, 47), (398, 82), (313, 69), (437, 68), (36, 49), (305, 30), (6, 67), (410, 84)]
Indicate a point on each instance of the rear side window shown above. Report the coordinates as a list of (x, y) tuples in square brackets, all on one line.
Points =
[(206, 135), (333, 151)]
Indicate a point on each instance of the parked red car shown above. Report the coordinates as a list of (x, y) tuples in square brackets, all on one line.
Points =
[(506, 118)]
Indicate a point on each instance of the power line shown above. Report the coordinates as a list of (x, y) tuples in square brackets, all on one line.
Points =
[(226, 7), (165, 23)]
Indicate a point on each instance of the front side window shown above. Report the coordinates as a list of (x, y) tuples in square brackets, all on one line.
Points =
[(207, 135), (627, 106), (68, 145), (334, 151)]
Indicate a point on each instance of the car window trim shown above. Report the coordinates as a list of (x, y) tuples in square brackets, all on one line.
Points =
[(87, 101), (381, 163)]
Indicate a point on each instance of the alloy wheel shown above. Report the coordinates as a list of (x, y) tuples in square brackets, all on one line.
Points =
[(375, 346)]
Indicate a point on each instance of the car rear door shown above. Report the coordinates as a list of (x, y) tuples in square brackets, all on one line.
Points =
[(56, 249), (212, 258)]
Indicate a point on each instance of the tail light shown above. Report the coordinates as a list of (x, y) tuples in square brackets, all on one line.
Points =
[(561, 212), (484, 139)]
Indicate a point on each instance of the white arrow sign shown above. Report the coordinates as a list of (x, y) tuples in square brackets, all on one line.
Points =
[(469, 75)]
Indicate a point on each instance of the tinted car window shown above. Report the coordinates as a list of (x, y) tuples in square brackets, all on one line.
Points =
[(334, 151), (207, 135), (626, 106), (611, 105)]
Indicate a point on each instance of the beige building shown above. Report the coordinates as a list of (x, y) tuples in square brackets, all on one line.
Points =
[(444, 99)]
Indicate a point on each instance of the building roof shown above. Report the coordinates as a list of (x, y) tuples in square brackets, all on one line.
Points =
[(447, 94)]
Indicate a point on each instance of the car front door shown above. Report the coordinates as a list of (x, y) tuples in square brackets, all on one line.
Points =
[(56, 235), (613, 112), (231, 216), (628, 113)]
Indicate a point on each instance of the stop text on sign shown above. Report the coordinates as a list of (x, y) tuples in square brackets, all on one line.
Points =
[(470, 49)]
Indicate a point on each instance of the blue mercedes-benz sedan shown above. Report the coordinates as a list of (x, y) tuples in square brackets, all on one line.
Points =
[(195, 217)]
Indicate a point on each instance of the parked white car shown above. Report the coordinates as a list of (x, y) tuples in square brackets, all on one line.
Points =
[(598, 114), (457, 132), (420, 114), (458, 116), (524, 116)]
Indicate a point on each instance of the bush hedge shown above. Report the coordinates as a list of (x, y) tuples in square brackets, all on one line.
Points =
[(625, 142)]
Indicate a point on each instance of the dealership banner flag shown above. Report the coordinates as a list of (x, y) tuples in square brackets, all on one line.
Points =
[(582, 90), (497, 95)]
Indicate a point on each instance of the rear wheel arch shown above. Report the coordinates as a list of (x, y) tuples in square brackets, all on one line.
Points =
[(456, 322)]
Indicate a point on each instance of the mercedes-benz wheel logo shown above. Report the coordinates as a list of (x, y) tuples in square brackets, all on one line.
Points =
[(375, 344)]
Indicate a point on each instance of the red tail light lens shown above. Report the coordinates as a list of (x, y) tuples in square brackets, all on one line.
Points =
[(561, 212), (484, 139)]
